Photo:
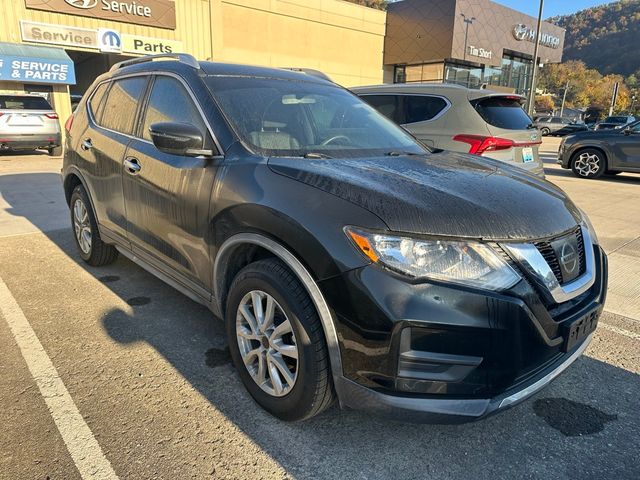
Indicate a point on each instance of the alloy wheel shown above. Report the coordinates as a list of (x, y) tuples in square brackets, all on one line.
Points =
[(267, 343), (587, 164), (82, 226)]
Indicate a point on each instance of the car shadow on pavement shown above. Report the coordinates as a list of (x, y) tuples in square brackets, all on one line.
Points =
[(582, 426)]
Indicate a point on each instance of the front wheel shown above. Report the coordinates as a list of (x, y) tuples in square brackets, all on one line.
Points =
[(545, 131), (85, 228), (589, 163), (277, 342)]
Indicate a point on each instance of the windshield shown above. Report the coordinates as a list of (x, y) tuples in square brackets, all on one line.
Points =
[(615, 120), (18, 102), (296, 118), (502, 112)]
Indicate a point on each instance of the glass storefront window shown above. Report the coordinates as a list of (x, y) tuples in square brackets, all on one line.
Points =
[(428, 72), (466, 76)]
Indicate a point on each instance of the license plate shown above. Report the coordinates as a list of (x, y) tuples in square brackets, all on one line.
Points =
[(527, 154), (580, 329)]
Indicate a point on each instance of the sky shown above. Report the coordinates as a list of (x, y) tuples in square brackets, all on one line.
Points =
[(551, 7)]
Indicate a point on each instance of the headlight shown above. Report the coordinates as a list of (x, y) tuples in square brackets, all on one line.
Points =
[(466, 263), (587, 223)]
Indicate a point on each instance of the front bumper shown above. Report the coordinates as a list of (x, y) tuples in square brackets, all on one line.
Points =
[(29, 141), (436, 410), (469, 353)]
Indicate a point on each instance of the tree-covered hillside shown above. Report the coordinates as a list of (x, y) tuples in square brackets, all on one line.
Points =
[(604, 37)]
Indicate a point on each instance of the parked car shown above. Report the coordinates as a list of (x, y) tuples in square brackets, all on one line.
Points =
[(345, 258), (616, 121), (28, 122), (458, 119), (558, 126), (593, 154)]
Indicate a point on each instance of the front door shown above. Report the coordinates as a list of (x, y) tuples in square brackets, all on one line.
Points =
[(626, 147), (167, 196)]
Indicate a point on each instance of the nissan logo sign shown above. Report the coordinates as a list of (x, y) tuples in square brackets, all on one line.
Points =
[(569, 258), (523, 32), (85, 4)]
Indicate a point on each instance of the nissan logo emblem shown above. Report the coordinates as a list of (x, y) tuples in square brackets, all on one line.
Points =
[(85, 4), (569, 258)]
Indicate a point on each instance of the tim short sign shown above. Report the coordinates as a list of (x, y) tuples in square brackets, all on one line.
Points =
[(480, 52), (149, 46), (154, 13), (36, 70), (58, 34)]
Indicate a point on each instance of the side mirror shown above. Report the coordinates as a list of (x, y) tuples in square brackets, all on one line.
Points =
[(178, 139)]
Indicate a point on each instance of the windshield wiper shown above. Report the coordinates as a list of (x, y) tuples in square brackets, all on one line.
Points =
[(316, 155)]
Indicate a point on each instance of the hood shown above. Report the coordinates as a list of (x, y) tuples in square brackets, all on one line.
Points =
[(608, 132), (442, 194)]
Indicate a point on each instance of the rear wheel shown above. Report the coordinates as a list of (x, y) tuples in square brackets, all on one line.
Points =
[(277, 343), (85, 228), (589, 163)]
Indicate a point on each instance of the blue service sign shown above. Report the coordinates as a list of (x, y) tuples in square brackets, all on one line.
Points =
[(36, 70)]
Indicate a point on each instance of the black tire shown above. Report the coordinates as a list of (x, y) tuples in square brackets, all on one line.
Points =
[(544, 131), (588, 163), (98, 253), (55, 151), (312, 391)]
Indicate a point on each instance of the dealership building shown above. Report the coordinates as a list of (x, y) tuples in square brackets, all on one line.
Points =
[(467, 42), (56, 48)]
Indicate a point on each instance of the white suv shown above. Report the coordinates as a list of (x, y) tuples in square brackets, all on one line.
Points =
[(450, 117)]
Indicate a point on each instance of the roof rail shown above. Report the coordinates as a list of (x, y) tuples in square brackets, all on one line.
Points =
[(181, 57)]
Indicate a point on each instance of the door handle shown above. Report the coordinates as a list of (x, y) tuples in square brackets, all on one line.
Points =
[(132, 166), (86, 144)]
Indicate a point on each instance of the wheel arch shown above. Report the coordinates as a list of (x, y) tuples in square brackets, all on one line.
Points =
[(253, 246)]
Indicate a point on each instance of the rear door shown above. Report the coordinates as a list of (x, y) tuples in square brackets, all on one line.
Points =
[(505, 119), (420, 117), (99, 149), (167, 196)]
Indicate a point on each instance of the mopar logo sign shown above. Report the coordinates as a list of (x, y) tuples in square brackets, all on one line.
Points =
[(109, 41), (86, 4)]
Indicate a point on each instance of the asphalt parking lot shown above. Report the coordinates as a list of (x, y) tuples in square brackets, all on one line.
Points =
[(148, 372)]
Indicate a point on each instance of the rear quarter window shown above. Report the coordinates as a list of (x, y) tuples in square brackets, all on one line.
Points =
[(96, 102), (421, 108), (502, 112), (17, 102)]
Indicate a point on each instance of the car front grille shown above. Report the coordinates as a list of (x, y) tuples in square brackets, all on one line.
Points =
[(549, 254)]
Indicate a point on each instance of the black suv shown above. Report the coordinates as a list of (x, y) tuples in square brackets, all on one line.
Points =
[(346, 260)]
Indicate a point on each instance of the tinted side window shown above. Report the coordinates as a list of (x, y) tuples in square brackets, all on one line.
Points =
[(119, 111), (388, 105), (96, 104), (170, 102), (421, 108)]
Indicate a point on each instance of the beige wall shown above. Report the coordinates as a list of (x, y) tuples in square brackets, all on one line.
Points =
[(339, 38)]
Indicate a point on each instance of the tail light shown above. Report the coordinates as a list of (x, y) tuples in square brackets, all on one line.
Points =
[(68, 123), (480, 144), (52, 116)]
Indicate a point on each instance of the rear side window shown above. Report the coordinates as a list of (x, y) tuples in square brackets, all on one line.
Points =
[(502, 112), (17, 102), (119, 111), (387, 105), (96, 104), (420, 108), (170, 102)]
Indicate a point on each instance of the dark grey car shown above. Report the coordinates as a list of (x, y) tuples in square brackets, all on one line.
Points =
[(593, 154)]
